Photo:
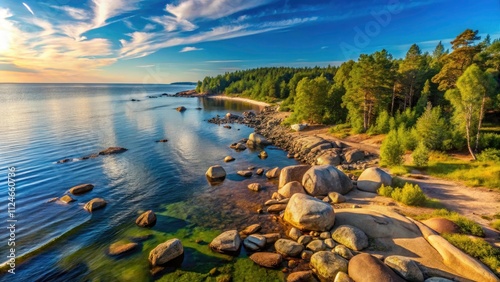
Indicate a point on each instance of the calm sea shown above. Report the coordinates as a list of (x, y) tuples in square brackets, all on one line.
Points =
[(43, 123)]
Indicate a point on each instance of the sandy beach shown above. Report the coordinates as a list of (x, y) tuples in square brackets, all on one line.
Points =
[(246, 100)]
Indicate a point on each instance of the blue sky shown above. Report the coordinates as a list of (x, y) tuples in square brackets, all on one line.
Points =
[(184, 40)]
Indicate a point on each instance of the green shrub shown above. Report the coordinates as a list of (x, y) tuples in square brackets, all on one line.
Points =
[(489, 154), (489, 140), (381, 124), (421, 155), (385, 191), (407, 138), (477, 248), (391, 151), (410, 194)]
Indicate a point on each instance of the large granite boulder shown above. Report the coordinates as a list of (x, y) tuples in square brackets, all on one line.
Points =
[(321, 180), (216, 173), (308, 213), (166, 252), (354, 155), (258, 139), (81, 189), (288, 248), (327, 265), (329, 157), (291, 188), (372, 178), (147, 219), (292, 173), (273, 173), (366, 268), (227, 242), (351, 237), (405, 267), (95, 204), (267, 259)]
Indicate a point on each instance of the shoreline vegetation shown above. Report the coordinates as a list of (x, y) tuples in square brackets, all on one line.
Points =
[(447, 101)]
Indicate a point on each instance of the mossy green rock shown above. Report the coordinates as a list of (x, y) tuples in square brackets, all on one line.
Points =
[(328, 264)]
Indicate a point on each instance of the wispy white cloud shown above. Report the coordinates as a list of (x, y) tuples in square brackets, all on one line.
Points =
[(75, 13), (28, 8), (190, 49), (211, 9), (146, 66), (170, 23)]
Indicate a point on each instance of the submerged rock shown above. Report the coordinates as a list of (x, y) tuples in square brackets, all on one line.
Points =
[(263, 155), (112, 150), (147, 219), (66, 199), (95, 204), (162, 141), (117, 249), (228, 159), (244, 173), (267, 259), (181, 109), (81, 189), (166, 252), (254, 187)]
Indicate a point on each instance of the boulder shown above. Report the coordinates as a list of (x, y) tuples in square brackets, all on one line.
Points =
[(288, 248), (254, 187), (291, 188), (327, 265), (66, 199), (321, 180), (316, 246), (354, 155), (372, 178), (166, 252), (181, 109), (343, 251), (405, 267), (254, 228), (273, 173), (336, 198), (117, 249), (366, 268), (329, 157), (244, 173), (351, 237), (292, 173), (306, 255), (298, 127), (442, 225), (258, 139), (277, 208), (216, 173), (342, 277), (304, 239), (272, 237), (259, 171), (238, 146), (294, 233), (147, 219), (263, 155), (95, 204), (227, 242), (228, 159), (301, 276), (112, 150), (308, 213), (254, 242), (267, 259), (81, 189)]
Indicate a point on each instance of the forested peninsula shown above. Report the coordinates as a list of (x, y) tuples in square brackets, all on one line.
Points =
[(444, 100)]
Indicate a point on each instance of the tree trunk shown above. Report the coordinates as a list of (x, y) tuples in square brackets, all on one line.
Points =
[(411, 94), (467, 132), (481, 113)]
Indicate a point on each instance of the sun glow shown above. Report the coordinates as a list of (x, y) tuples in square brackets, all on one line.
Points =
[(5, 39)]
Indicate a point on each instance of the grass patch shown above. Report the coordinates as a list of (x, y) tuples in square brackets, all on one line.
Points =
[(340, 130), (466, 225), (496, 224), (399, 170), (477, 248)]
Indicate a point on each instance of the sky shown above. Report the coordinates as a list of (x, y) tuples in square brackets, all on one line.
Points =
[(160, 41)]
